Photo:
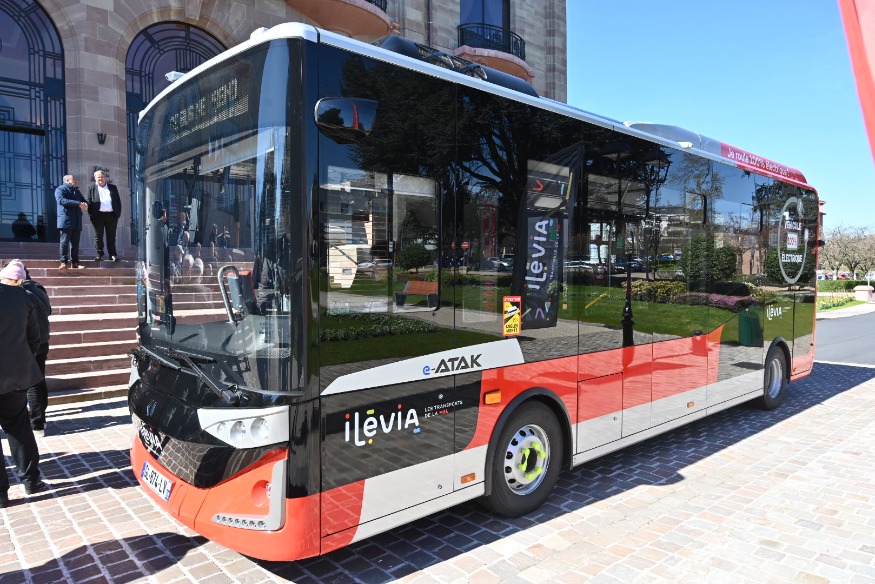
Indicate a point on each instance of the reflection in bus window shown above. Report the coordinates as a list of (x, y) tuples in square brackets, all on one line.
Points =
[(380, 233)]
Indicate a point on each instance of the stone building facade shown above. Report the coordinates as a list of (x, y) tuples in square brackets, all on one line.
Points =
[(73, 74)]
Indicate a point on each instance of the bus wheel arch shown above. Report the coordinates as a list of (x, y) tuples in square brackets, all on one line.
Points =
[(533, 434), (776, 375)]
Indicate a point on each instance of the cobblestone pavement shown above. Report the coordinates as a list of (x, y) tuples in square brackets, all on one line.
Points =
[(744, 496)]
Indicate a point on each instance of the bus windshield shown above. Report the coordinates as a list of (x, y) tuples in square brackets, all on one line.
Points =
[(218, 263)]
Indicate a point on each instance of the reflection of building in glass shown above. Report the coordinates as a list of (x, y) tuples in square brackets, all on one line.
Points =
[(358, 215), (133, 61)]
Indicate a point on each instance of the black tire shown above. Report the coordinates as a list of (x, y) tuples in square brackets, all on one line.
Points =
[(774, 379), (526, 460)]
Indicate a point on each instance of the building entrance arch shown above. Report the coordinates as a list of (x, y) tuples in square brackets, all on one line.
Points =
[(157, 50)]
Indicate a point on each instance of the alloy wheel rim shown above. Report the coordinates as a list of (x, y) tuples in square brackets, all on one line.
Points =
[(526, 459), (776, 374)]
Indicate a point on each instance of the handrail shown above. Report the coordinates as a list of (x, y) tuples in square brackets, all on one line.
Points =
[(488, 36), (220, 276), (381, 4)]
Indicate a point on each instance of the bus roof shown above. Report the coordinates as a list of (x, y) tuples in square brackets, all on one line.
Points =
[(411, 55)]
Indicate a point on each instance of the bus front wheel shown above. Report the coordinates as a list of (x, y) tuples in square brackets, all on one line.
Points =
[(774, 379), (525, 461)]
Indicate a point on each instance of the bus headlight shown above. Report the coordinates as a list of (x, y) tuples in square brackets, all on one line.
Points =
[(260, 429), (238, 432), (246, 427)]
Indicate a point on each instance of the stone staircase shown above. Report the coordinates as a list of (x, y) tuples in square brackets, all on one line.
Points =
[(93, 321)]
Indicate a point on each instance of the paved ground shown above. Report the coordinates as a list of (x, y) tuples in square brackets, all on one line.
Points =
[(849, 311), (745, 496)]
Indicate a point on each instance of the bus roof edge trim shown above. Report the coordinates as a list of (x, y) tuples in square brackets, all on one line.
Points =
[(280, 31), (741, 158)]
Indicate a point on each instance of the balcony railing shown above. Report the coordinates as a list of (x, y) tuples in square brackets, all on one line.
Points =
[(487, 36), (381, 4)]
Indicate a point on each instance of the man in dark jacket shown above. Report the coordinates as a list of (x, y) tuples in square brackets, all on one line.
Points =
[(38, 395), (71, 203), (19, 340), (104, 209)]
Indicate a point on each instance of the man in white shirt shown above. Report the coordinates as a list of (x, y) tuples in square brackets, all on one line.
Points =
[(104, 209)]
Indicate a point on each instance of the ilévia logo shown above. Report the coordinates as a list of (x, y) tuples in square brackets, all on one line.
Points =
[(361, 432), (454, 364), (773, 312)]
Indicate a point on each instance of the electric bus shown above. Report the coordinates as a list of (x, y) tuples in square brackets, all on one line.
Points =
[(377, 280)]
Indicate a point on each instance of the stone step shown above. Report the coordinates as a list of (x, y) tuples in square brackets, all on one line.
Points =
[(84, 364), (91, 290), (182, 302), (84, 278), (99, 349), (88, 379), (73, 395), (89, 322), (101, 268), (94, 299), (63, 338), (107, 308)]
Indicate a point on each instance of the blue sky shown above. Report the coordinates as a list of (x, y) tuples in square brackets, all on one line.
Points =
[(772, 77)]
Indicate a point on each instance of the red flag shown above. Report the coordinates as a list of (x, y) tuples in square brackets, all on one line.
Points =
[(858, 17)]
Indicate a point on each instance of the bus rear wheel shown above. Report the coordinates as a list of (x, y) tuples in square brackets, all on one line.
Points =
[(774, 379), (525, 461)]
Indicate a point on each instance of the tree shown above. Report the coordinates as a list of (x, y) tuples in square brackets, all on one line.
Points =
[(844, 248), (413, 256), (867, 263), (702, 260)]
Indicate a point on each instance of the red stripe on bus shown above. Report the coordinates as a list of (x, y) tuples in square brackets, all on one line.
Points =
[(753, 162), (342, 508), (649, 372)]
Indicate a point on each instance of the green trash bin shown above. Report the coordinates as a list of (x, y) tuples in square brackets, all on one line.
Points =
[(750, 327)]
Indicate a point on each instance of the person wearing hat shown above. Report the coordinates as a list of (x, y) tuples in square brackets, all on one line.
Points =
[(19, 342), (71, 203)]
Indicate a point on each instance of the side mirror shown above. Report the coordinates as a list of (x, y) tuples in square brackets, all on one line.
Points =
[(345, 119)]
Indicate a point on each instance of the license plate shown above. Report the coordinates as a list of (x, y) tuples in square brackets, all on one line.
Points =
[(156, 481)]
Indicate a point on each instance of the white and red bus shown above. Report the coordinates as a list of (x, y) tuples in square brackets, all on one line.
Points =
[(377, 280)]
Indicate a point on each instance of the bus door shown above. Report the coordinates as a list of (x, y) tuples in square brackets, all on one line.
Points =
[(616, 361), (381, 336), (681, 317), (387, 402)]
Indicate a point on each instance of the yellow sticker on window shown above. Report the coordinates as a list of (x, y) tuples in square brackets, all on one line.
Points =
[(512, 315)]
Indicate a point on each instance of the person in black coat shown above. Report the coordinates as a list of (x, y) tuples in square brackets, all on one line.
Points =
[(22, 228), (71, 203), (38, 395), (104, 209), (19, 342)]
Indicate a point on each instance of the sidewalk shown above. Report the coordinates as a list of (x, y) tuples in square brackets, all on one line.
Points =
[(745, 496), (843, 312)]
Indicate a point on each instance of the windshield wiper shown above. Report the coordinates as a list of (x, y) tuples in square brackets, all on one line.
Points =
[(228, 392), (153, 355)]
